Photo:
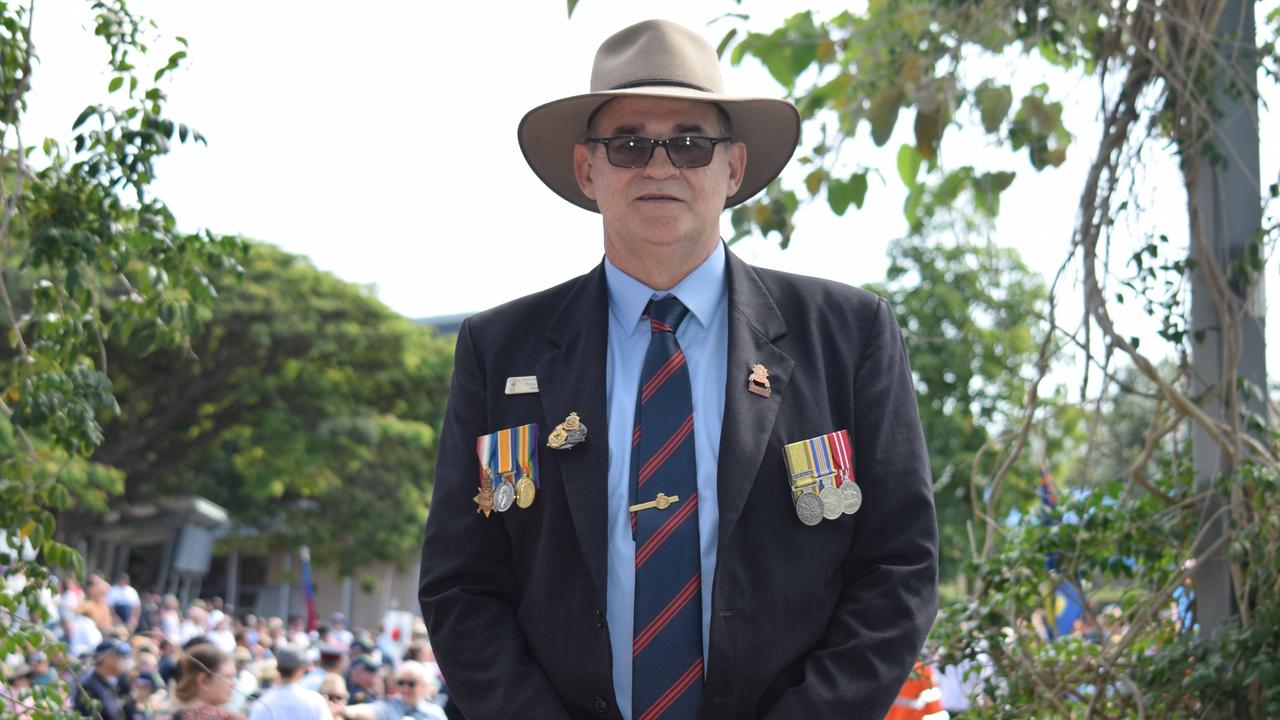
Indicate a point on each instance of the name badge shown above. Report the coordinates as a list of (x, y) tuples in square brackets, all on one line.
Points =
[(523, 385)]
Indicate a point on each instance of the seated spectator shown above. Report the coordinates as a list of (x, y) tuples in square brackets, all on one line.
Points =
[(415, 690), (286, 700), (206, 678), (364, 685), (334, 690), (41, 674), (98, 693)]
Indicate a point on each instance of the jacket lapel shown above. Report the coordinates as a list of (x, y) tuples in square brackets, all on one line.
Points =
[(571, 378), (754, 325)]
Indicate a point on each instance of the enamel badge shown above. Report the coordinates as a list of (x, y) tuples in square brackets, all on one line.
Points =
[(567, 434), (758, 380)]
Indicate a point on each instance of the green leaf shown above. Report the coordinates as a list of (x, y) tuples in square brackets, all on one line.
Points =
[(908, 165), (994, 102), (813, 182), (572, 4), (839, 195), (858, 187), (724, 43), (843, 193), (884, 114), (115, 83), (83, 116), (928, 129)]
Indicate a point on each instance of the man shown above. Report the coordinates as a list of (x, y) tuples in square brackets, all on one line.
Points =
[(670, 563), (333, 659), (98, 693), (363, 681), (288, 701), (124, 602), (414, 688), (41, 673)]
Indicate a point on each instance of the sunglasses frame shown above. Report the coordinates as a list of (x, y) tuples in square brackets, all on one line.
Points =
[(654, 144)]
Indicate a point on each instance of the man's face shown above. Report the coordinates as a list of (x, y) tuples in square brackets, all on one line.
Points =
[(412, 689), (652, 210)]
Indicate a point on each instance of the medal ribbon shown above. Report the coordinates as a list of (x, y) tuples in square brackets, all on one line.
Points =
[(820, 452), (502, 456), (799, 464), (484, 445), (841, 450), (527, 458)]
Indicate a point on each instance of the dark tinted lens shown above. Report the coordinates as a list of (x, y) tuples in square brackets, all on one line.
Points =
[(630, 152), (690, 152)]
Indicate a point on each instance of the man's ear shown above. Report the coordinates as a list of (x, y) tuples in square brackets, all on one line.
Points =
[(582, 170), (737, 166)]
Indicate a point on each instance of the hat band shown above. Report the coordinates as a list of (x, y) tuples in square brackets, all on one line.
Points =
[(657, 81)]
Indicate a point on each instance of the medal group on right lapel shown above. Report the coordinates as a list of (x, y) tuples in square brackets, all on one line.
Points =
[(820, 472)]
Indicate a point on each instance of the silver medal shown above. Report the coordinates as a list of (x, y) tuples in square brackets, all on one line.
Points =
[(852, 495), (832, 503), (504, 496), (809, 508)]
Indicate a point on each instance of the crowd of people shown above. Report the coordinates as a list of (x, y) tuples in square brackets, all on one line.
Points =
[(125, 655)]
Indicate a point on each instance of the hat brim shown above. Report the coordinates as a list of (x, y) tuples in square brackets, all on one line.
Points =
[(770, 128)]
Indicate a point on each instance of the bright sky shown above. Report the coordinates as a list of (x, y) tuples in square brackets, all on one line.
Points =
[(378, 139)]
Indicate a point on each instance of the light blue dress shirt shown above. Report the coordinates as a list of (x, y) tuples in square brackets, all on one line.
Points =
[(704, 337)]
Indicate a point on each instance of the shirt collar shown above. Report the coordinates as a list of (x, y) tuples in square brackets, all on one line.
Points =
[(702, 291)]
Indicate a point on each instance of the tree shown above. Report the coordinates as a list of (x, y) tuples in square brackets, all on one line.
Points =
[(304, 406), (87, 257), (967, 311)]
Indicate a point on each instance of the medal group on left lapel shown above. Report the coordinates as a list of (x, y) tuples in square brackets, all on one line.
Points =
[(508, 469)]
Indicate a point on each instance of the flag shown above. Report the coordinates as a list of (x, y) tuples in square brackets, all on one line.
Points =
[(308, 589), (1064, 606)]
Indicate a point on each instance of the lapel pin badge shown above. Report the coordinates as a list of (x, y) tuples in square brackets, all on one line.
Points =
[(567, 434), (758, 381)]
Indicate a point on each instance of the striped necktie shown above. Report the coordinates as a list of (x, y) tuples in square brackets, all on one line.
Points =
[(666, 649)]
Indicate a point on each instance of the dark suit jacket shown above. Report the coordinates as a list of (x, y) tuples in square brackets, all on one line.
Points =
[(95, 687), (807, 622)]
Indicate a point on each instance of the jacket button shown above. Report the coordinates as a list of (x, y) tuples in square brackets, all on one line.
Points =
[(602, 705), (599, 619)]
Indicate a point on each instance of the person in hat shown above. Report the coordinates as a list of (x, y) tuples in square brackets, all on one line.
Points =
[(100, 692), (287, 700), (727, 511), (41, 673), (364, 684)]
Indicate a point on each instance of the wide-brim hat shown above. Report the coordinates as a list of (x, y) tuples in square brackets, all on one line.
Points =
[(658, 58)]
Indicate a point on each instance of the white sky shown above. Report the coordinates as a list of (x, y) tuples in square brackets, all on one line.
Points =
[(378, 139)]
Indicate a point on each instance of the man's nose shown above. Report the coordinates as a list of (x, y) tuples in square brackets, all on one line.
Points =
[(660, 166)]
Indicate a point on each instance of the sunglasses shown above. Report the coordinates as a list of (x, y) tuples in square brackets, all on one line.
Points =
[(335, 698), (687, 151), (405, 682)]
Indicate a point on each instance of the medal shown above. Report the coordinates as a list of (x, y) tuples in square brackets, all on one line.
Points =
[(832, 501), (852, 496), (484, 500), (525, 492), (809, 508), (504, 495)]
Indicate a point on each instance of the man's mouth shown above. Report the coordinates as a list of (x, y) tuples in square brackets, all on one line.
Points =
[(658, 197)]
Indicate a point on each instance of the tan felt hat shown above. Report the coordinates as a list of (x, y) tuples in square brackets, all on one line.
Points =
[(658, 58)]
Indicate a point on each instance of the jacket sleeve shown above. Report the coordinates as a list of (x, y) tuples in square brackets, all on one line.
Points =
[(465, 586), (889, 598)]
